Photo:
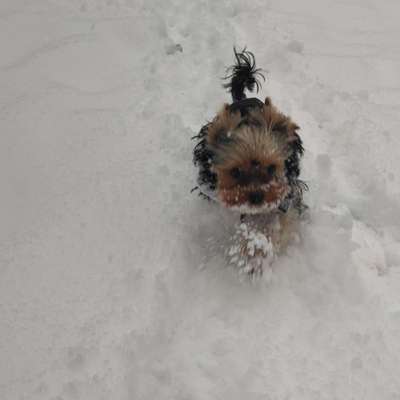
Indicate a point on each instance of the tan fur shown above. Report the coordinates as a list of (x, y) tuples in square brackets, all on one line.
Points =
[(223, 123), (252, 142), (225, 180), (274, 118), (257, 141), (236, 146)]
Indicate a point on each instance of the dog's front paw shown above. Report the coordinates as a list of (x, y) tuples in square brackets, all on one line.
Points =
[(251, 251)]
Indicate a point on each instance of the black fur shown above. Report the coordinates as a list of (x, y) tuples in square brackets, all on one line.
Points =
[(243, 75), (245, 105), (203, 157), (292, 166)]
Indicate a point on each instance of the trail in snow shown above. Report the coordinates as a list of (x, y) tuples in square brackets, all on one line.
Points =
[(113, 282)]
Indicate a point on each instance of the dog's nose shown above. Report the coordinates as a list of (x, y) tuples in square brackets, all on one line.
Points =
[(256, 198)]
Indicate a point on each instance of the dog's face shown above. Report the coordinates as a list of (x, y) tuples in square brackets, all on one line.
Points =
[(250, 158), (250, 169)]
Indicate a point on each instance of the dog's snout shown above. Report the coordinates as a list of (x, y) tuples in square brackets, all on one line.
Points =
[(256, 198)]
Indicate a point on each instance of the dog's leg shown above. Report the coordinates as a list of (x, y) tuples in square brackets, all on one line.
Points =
[(258, 239), (252, 245)]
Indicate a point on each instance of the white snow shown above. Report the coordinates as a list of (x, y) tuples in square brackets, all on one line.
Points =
[(113, 279), (251, 250)]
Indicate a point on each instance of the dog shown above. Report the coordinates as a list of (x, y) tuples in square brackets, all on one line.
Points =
[(248, 160)]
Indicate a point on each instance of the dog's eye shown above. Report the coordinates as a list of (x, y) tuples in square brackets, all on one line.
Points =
[(236, 173), (271, 169)]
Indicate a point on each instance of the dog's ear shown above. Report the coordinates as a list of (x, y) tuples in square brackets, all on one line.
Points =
[(278, 122), (286, 127), (275, 120), (222, 125)]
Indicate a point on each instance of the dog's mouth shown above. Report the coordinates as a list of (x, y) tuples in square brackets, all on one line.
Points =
[(254, 199)]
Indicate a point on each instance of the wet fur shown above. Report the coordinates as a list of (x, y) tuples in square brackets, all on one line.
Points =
[(251, 136), (263, 133)]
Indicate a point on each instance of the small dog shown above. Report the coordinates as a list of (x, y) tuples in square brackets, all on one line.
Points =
[(248, 158)]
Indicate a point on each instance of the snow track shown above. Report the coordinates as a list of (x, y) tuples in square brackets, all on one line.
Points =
[(113, 283)]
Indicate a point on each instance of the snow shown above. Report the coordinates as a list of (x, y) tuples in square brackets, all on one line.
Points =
[(251, 251), (113, 277)]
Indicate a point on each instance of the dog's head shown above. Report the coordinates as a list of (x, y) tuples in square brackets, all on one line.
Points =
[(254, 152)]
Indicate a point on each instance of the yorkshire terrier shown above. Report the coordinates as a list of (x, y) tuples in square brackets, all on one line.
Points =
[(248, 160)]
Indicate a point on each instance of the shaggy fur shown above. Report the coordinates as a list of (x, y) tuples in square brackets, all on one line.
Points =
[(249, 155)]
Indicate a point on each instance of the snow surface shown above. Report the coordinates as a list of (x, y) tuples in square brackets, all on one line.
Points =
[(113, 282)]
